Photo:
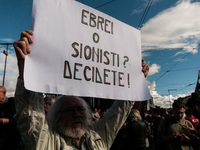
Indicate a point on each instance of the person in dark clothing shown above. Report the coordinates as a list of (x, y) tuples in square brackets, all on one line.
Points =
[(9, 135), (146, 117), (164, 113), (193, 105), (157, 119), (119, 143), (135, 139), (149, 123)]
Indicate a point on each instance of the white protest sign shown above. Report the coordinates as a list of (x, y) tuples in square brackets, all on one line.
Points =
[(78, 50)]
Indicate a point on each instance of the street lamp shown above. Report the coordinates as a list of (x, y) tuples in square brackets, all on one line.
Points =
[(169, 95), (6, 53)]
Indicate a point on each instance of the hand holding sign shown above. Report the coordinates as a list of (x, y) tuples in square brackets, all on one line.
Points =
[(145, 68), (22, 48)]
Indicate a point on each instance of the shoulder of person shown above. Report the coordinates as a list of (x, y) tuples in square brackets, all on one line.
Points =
[(188, 123), (165, 120), (11, 101)]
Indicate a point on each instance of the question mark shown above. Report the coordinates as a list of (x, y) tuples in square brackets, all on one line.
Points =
[(126, 60)]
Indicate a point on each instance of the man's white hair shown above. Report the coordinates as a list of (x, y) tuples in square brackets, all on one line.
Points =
[(59, 125), (135, 115)]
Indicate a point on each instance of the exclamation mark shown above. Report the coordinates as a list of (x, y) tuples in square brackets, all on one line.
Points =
[(128, 81)]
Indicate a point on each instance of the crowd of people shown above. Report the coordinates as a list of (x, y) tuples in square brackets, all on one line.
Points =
[(30, 121), (157, 129)]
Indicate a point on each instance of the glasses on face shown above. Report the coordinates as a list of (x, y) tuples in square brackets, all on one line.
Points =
[(71, 110)]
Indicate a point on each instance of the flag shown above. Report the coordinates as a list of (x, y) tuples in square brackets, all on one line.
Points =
[(198, 84)]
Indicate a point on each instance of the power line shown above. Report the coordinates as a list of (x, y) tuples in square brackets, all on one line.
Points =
[(105, 4), (176, 84), (177, 90), (102, 4), (145, 13), (168, 85), (180, 89), (181, 69), (3, 48), (175, 64)]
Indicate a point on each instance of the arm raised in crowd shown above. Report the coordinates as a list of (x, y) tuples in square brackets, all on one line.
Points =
[(22, 48), (30, 116)]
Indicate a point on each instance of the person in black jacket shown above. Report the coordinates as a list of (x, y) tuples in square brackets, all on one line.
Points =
[(9, 135), (136, 132), (157, 119)]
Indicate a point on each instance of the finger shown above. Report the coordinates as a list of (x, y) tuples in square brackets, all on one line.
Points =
[(19, 53), (185, 136), (190, 128), (27, 37), (21, 48), (28, 34), (143, 62), (145, 68), (144, 65), (142, 59), (27, 45)]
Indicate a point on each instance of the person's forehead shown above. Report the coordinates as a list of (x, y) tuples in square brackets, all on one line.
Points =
[(2, 89), (179, 109)]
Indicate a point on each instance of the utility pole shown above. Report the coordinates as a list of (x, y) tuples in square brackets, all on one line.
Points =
[(6, 53), (169, 96)]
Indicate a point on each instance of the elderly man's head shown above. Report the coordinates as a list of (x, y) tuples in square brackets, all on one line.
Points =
[(69, 116), (2, 95)]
